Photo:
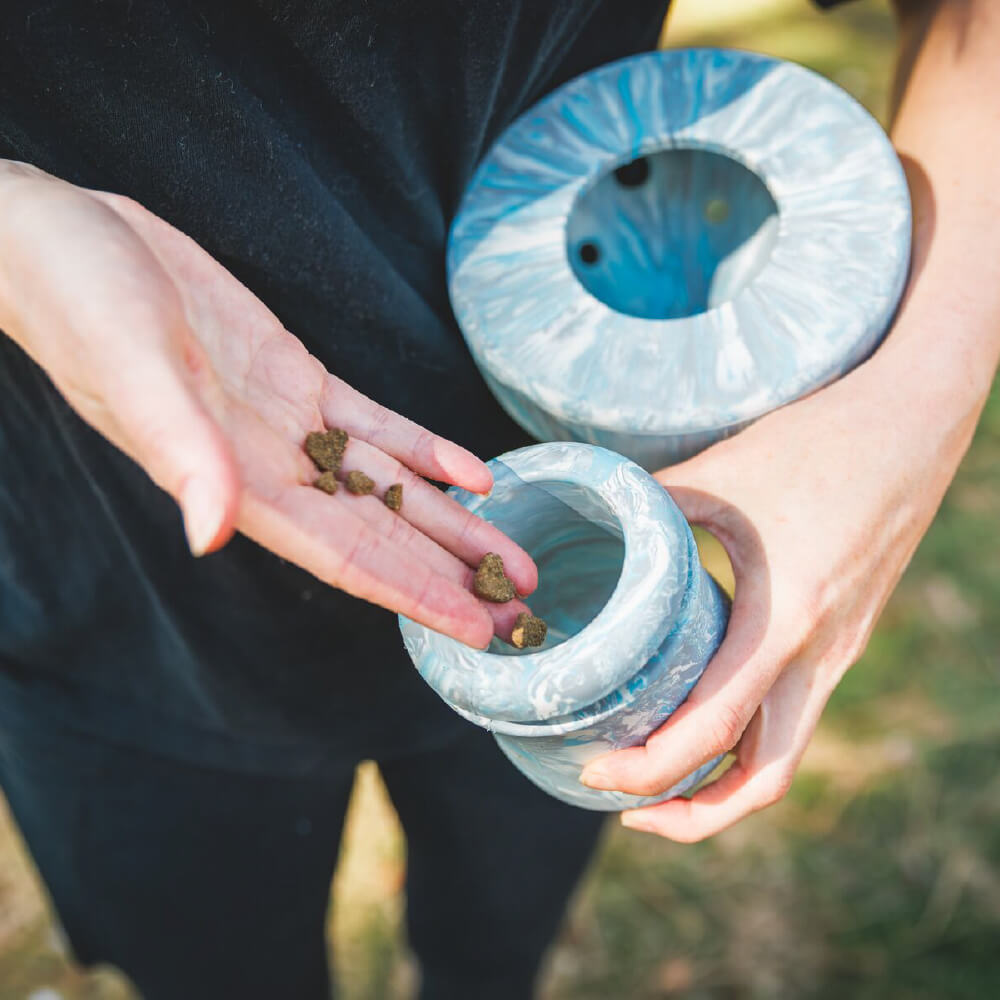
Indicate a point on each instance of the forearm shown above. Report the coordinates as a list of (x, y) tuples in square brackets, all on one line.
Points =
[(940, 358), (821, 503)]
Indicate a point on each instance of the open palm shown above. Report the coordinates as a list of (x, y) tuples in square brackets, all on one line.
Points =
[(164, 352)]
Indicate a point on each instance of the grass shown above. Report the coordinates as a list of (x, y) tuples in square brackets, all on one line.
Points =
[(877, 877)]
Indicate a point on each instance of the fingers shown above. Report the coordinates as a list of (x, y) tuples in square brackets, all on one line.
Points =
[(693, 736), (338, 546), (716, 713), (767, 758), (406, 441), (735, 795), (443, 519), (401, 533)]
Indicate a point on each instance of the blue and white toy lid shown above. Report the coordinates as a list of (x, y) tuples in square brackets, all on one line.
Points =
[(692, 311)]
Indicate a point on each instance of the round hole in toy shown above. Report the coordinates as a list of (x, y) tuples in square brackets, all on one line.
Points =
[(689, 237), (633, 174), (588, 252)]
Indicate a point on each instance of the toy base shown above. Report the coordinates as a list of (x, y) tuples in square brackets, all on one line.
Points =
[(570, 791)]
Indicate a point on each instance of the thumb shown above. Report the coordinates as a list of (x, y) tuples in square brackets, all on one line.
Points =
[(702, 489), (694, 489), (164, 425)]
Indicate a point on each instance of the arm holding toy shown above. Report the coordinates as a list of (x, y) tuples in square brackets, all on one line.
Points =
[(821, 504)]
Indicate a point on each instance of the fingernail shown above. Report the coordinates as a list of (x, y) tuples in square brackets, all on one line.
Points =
[(203, 515), (489, 475), (594, 777), (635, 821), (455, 461)]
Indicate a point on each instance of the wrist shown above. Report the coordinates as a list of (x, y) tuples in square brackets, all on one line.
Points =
[(19, 184)]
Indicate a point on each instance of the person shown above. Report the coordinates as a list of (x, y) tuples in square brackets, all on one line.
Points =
[(178, 735)]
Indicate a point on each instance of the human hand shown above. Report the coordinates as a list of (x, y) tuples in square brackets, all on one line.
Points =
[(168, 356), (820, 506)]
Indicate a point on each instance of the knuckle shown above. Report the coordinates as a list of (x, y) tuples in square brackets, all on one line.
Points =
[(423, 447), (726, 728), (647, 776), (801, 622), (401, 534), (818, 598), (468, 529), (380, 419), (124, 203), (313, 370), (442, 598), (154, 444), (690, 836), (428, 593), (849, 646), (394, 530), (776, 786), (348, 573), (644, 785), (383, 416)]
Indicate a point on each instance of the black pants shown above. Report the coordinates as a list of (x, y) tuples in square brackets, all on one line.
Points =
[(203, 883)]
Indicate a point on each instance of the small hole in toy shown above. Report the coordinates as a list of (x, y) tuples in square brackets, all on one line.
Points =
[(634, 174), (716, 211), (589, 253)]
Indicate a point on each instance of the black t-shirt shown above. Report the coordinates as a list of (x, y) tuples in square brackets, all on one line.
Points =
[(318, 149)]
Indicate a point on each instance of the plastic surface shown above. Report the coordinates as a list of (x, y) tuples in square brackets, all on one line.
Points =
[(634, 619), (668, 247)]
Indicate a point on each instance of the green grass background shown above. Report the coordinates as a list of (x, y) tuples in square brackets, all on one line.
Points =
[(878, 876)]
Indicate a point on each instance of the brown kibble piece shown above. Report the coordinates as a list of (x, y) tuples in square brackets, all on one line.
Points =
[(326, 448), (491, 582), (327, 482), (528, 631), (358, 482), (394, 496)]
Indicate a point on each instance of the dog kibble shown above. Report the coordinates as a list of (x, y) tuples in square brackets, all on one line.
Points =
[(326, 448), (394, 496), (327, 482), (528, 631), (491, 583), (357, 482)]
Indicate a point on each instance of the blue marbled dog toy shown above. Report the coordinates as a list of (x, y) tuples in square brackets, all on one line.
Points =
[(670, 246), (633, 619)]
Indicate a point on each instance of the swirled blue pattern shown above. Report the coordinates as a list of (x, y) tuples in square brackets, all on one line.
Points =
[(755, 250)]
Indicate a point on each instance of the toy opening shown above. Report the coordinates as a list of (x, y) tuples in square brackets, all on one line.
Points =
[(576, 541), (672, 234)]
